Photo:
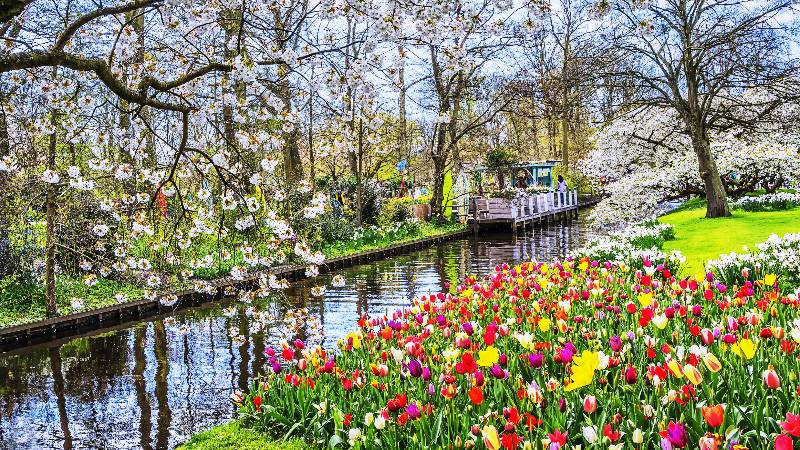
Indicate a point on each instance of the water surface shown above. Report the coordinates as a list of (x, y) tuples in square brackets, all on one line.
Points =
[(154, 384)]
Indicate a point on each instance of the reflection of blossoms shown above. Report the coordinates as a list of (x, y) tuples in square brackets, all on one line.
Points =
[(318, 291), (338, 281)]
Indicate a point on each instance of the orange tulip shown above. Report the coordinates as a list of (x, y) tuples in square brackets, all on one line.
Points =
[(714, 415), (475, 395)]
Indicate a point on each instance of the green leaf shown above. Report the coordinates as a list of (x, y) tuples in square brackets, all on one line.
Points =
[(334, 441)]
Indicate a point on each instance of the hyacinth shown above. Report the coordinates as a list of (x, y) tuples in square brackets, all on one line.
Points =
[(554, 355)]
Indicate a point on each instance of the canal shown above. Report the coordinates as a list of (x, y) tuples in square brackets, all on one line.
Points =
[(154, 384)]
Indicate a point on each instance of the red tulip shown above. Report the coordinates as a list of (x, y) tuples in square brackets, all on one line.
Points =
[(792, 424), (783, 442), (630, 375), (590, 404), (475, 395), (771, 378)]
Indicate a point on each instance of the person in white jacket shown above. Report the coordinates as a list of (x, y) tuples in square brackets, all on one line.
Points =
[(561, 188)]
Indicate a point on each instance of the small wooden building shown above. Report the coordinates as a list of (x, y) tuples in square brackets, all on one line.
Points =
[(528, 174)]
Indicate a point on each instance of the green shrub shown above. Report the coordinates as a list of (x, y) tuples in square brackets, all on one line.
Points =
[(395, 210)]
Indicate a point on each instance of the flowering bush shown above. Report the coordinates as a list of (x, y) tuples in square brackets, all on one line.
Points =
[(768, 202), (778, 255), (637, 246), (580, 353)]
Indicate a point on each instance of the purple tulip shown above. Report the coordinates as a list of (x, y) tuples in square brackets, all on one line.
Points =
[(415, 368), (467, 327), (276, 367), (426, 373), (413, 410), (497, 372), (615, 343), (562, 404), (676, 433), (431, 389), (535, 360), (479, 378), (441, 320)]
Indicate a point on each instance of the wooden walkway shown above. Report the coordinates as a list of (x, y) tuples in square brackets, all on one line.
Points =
[(526, 210)]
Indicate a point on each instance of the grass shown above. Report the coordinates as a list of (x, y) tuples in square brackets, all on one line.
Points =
[(701, 239), (234, 436), (22, 303), (424, 230)]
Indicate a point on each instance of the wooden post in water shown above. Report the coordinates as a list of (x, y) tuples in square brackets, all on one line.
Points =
[(475, 224)]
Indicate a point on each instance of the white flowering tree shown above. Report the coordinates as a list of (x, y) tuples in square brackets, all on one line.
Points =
[(158, 128), (641, 174), (697, 58)]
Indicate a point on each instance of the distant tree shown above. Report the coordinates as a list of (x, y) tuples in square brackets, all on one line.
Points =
[(498, 161)]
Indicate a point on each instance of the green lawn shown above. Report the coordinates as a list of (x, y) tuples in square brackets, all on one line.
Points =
[(233, 436), (425, 230), (701, 239)]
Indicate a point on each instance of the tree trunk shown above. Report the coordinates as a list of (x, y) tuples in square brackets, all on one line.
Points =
[(565, 104), (359, 188), (401, 122), (565, 141), (292, 164), (351, 156), (437, 196), (715, 191), (5, 192), (311, 155), (50, 227)]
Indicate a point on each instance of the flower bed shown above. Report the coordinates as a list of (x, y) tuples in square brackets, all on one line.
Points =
[(779, 256), (778, 201), (634, 245), (580, 354)]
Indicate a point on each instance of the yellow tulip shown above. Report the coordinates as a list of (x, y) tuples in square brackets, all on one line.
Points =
[(770, 279), (490, 437), (712, 363), (356, 337), (675, 368), (583, 368), (692, 374), (646, 299), (544, 324), (488, 356), (583, 265), (745, 348)]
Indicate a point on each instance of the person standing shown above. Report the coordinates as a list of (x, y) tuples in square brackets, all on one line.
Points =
[(561, 188)]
